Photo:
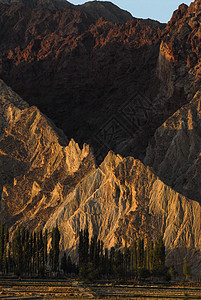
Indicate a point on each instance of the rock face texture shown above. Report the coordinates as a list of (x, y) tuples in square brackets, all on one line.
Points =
[(174, 151), (179, 57), (38, 165), (123, 200), (46, 180)]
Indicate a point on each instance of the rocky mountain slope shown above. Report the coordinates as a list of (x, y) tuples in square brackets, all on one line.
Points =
[(174, 151), (46, 180), (38, 165), (111, 86), (123, 200)]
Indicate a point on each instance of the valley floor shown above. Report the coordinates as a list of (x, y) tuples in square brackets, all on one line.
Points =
[(73, 289)]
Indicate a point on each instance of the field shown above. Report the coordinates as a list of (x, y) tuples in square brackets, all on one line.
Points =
[(72, 289)]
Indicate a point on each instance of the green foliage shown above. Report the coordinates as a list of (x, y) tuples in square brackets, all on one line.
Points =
[(139, 261), (27, 256)]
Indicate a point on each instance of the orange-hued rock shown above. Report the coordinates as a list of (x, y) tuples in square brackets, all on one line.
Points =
[(46, 180), (123, 200), (38, 164)]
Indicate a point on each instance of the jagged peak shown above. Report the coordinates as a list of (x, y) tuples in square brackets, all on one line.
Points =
[(7, 95), (110, 162)]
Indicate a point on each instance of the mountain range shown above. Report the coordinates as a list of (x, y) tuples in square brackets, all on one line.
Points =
[(108, 132)]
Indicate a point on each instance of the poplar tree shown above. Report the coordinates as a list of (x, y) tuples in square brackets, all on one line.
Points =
[(1, 246), (55, 249), (45, 253)]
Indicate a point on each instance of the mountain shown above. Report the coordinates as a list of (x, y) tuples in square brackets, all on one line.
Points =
[(122, 201), (97, 9), (60, 60), (111, 86), (106, 10), (174, 151), (38, 164), (46, 180), (119, 82), (50, 4)]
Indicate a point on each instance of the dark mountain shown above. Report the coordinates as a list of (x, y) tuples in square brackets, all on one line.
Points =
[(97, 9), (106, 10), (96, 80)]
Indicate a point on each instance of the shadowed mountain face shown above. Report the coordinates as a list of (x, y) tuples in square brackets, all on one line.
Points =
[(94, 79), (105, 84), (106, 10), (97, 9)]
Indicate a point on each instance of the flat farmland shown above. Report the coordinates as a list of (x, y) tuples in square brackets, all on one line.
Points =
[(151, 291), (74, 289), (38, 289)]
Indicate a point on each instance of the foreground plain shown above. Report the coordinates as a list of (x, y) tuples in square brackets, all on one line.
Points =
[(73, 289)]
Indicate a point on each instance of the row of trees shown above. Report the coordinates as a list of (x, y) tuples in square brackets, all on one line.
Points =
[(138, 261), (27, 253)]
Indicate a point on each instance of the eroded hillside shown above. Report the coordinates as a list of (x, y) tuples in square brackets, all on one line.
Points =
[(46, 180)]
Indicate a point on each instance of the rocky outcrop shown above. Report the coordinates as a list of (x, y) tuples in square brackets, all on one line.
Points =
[(110, 85), (179, 57)]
